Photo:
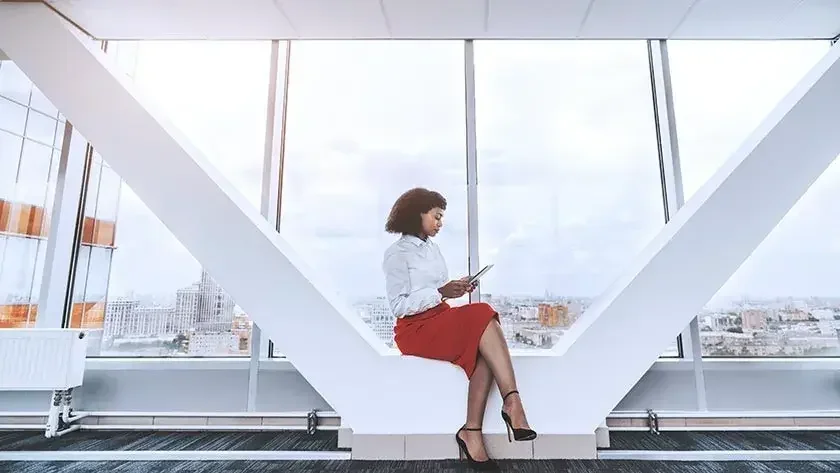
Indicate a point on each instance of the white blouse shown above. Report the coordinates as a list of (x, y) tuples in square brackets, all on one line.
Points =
[(414, 270)]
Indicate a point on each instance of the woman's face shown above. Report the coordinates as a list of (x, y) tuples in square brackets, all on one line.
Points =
[(432, 221)]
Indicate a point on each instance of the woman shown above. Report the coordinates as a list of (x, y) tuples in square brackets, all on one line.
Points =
[(469, 336)]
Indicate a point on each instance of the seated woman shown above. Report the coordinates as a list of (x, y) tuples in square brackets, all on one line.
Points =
[(469, 336)]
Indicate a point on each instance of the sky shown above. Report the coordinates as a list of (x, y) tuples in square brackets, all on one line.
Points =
[(567, 159)]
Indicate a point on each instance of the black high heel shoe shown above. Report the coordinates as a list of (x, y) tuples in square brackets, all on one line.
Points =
[(486, 465), (520, 435)]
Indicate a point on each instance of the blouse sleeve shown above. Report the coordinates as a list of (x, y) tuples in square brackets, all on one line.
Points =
[(401, 297)]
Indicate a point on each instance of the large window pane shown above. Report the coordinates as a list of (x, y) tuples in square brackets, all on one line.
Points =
[(14, 84), (12, 116), (724, 89), (41, 128), (140, 284), (34, 173), (783, 300), (569, 185), (10, 146), (367, 121), (17, 270), (27, 182)]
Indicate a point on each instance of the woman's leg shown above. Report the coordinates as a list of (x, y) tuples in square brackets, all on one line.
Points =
[(494, 350), (479, 389)]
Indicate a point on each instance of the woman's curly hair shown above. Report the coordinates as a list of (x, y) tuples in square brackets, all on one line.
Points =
[(405, 214)]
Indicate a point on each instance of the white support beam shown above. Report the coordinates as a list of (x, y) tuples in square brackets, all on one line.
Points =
[(669, 156), (55, 298), (702, 245), (472, 165), (569, 390)]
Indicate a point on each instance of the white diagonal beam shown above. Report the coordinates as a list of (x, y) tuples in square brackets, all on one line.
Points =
[(219, 227), (625, 330)]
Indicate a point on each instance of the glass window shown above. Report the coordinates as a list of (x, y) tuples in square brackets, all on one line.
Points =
[(27, 180), (92, 199), (724, 89), (41, 128), (10, 146), (782, 301), (14, 84), (366, 121), (569, 185), (34, 173), (17, 271), (37, 277), (82, 271), (41, 103), (109, 194), (139, 283), (221, 109), (12, 116)]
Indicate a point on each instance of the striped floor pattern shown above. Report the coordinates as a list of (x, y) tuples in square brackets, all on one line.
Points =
[(417, 467), (93, 440), (726, 441)]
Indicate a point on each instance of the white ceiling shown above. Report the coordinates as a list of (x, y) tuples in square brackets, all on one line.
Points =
[(454, 19)]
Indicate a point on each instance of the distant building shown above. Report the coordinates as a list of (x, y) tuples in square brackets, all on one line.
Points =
[(378, 316), (753, 320), (213, 344)]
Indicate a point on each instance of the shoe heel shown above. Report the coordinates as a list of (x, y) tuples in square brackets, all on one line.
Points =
[(506, 419)]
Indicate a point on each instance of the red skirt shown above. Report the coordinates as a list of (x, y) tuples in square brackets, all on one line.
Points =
[(445, 333)]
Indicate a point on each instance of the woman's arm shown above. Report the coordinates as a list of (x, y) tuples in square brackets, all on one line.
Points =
[(403, 299)]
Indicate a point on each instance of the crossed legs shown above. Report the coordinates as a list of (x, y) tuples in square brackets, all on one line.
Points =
[(494, 363)]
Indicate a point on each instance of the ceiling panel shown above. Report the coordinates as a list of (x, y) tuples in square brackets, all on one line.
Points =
[(435, 18), (176, 19), (448, 19), (327, 19), (812, 19), (746, 19), (536, 18), (623, 19), (3, 56)]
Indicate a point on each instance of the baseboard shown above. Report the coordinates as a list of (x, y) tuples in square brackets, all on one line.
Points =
[(443, 447), (716, 421), (208, 421)]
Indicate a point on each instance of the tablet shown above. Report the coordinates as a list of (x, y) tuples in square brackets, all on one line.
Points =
[(479, 274)]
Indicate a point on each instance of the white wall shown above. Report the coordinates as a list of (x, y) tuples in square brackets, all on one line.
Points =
[(766, 385), (735, 385), (155, 387)]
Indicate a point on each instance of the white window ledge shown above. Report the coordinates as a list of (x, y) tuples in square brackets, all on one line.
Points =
[(153, 364), (282, 364), (743, 364)]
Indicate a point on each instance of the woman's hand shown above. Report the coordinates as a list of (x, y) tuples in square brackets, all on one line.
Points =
[(455, 289), (470, 287)]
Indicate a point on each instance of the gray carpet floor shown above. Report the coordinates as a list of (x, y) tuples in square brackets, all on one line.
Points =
[(418, 467), (87, 440), (688, 441)]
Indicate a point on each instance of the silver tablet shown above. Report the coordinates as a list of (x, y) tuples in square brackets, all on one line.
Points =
[(479, 274)]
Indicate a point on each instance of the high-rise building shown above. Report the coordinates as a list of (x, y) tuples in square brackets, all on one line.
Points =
[(206, 305)]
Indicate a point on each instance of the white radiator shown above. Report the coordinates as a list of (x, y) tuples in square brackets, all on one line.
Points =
[(46, 360), (42, 359)]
